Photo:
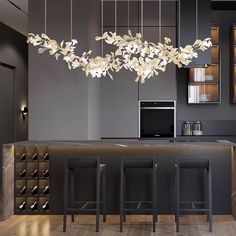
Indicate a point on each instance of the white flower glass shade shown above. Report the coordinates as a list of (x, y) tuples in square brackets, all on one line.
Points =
[(131, 52)]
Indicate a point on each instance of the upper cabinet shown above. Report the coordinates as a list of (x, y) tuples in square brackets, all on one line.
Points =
[(233, 66), (194, 23), (204, 84)]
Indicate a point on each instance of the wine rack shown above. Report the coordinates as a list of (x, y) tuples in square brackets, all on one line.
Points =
[(32, 189)]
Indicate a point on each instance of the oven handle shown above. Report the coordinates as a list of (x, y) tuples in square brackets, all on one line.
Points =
[(157, 108)]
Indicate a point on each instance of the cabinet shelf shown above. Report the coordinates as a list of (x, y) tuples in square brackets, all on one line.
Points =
[(203, 82), (204, 85), (206, 102)]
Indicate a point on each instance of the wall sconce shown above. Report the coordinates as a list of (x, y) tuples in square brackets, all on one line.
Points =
[(24, 112)]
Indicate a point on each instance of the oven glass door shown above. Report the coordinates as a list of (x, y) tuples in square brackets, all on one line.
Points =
[(156, 123)]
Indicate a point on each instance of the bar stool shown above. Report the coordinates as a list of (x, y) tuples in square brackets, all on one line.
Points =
[(191, 206), (137, 164), (76, 164)]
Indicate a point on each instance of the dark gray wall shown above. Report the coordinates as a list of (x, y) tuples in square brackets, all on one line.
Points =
[(14, 52), (63, 104), (223, 112)]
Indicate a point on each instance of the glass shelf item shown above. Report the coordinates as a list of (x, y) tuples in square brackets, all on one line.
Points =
[(204, 85), (203, 93)]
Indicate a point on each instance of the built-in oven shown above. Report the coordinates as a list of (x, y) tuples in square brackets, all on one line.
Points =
[(157, 119)]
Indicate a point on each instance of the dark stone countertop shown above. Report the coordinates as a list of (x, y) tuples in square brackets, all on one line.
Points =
[(126, 143)]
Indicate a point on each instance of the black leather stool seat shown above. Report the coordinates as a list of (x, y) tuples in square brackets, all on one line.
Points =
[(194, 163)]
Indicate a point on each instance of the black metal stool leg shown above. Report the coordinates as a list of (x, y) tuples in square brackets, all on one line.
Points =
[(156, 189), (104, 195), (124, 193), (98, 199), (121, 198), (210, 198), (177, 199), (154, 211), (72, 190), (65, 200)]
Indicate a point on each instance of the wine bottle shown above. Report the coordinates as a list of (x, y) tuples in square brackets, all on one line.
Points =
[(23, 190), (34, 206), (35, 156), (34, 190), (45, 206), (22, 156), (34, 173), (46, 156), (46, 173), (22, 173), (22, 206), (46, 190)]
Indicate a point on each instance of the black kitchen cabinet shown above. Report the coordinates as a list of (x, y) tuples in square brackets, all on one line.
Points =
[(204, 85), (233, 65)]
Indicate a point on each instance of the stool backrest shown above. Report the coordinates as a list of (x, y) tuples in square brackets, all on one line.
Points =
[(82, 163), (139, 162), (202, 163)]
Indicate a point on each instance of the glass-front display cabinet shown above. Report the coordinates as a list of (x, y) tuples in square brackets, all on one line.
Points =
[(233, 67), (204, 85)]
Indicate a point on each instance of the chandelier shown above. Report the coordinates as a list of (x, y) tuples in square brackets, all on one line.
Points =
[(131, 52)]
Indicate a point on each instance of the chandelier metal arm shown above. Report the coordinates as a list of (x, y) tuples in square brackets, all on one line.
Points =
[(45, 16), (160, 23)]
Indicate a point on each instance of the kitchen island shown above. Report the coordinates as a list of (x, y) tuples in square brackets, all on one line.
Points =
[(222, 154)]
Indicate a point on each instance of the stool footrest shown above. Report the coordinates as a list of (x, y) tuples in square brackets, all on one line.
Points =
[(84, 206), (194, 210), (192, 205), (69, 210), (138, 206)]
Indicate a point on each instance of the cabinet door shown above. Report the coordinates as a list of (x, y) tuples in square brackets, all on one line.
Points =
[(119, 101), (151, 13), (192, 27), (163, 86), (122, 13), (204, 85)]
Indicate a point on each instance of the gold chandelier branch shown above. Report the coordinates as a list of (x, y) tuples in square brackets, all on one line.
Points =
[(132, 53)]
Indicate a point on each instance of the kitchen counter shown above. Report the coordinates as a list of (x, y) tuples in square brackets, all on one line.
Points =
[(167, 152), (179, 141)]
